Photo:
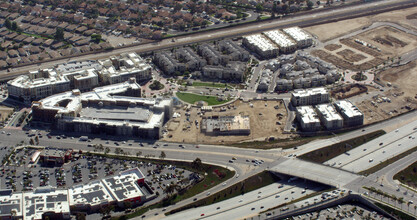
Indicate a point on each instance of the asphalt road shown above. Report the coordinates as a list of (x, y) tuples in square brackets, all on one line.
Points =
[(303, 20)]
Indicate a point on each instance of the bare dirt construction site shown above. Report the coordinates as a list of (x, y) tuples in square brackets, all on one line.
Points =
[(406, 17), (267, 118), (369, 47)]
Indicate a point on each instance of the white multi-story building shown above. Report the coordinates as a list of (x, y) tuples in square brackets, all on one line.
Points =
[(311, 96), (329, 117), (352, 116), (285, 43), (37, 85), (120, 69), (308, 119), (114, 109), (261, 45), (301, 37)]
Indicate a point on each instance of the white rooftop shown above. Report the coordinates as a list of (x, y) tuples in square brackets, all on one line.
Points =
[(124, 186), (280, 38), (261, 42), (348, 108), (308, 115), (93, 193), (297, 33), (309, 92), (45, 199), (329, 112)]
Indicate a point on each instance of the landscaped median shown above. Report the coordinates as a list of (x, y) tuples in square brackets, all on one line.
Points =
[(213, 175), (193, 98), (252, 183)]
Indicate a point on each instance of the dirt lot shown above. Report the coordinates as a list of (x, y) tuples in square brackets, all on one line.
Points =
[(391, 41), (264, 123), (344, 27), (396, 99), (4, 112)]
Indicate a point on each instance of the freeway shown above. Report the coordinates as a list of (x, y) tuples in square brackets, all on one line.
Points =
[(377, 150), (303, 20)]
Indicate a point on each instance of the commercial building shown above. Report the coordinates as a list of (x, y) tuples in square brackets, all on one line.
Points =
[(46, 202), (308, 118), (89, 197), (226, 125), (10, 205), (329, 117), (261, 45), (120, 68), (285, 43), (301, 37), (311, 96), (128, 186), (53, 156), (113, 110), (352, 116)]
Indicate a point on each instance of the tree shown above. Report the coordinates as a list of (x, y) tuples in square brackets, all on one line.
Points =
[(197, 164), (163, 155), (310, 5), (37, 140), (107, 150), (80, 216), (14, 26), (259, 8), (8, 24), (59, 34), (31, 142), (156, 85), (139, 153), (96, 38)]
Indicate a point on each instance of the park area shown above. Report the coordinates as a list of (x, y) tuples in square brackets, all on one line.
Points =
[(193, 98)]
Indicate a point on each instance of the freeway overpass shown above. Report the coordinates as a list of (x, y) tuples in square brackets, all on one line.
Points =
[(314, 172)]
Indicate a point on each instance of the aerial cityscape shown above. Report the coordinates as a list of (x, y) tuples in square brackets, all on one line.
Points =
[(208, 109)]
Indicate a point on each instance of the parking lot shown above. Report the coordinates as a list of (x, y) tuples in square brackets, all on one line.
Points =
[(21, 175)]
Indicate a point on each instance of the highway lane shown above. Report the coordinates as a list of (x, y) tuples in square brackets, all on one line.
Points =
[(377, 150), (303, 20)]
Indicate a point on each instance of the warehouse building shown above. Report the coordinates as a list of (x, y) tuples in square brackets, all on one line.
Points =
[(226, 125), (308, 118), (311, 96), (352, 116), (329, 117), (261, 45)]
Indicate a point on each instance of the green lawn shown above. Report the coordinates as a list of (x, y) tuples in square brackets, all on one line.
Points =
[(192, 98), (408, 176), (208, 84), (252, 183), (324, 154)]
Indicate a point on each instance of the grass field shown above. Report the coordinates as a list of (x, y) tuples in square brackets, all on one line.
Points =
[(324, 154), (252, 183), (209, 84), (192, 98), (408, 176)]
